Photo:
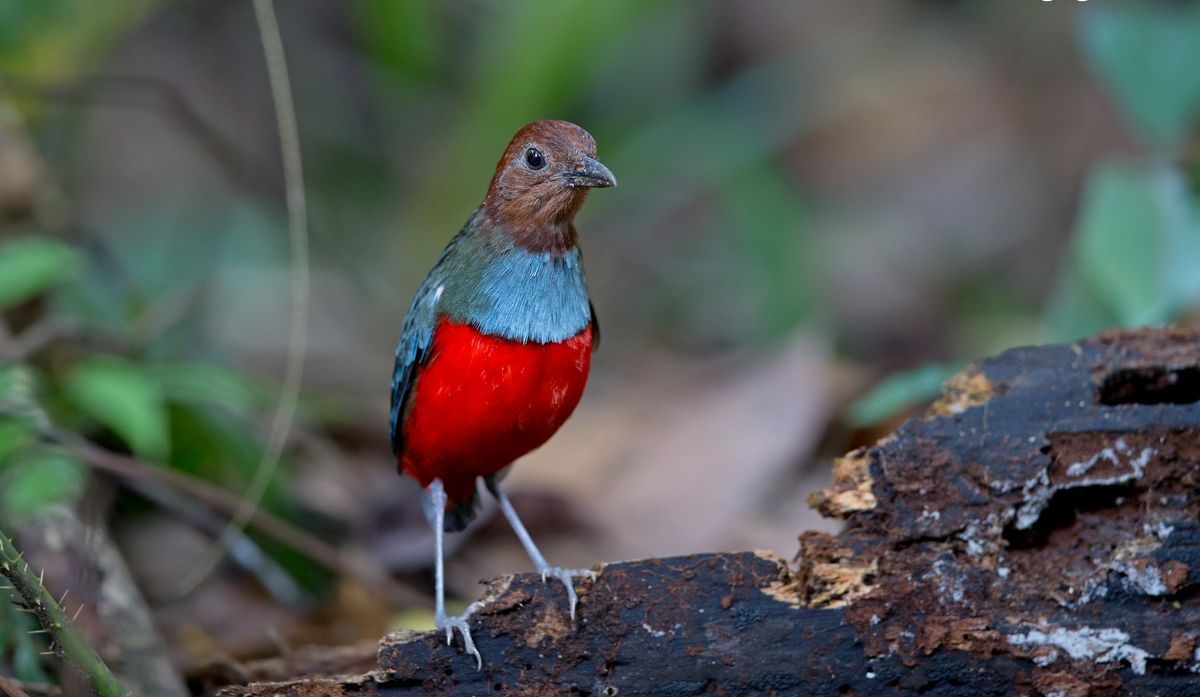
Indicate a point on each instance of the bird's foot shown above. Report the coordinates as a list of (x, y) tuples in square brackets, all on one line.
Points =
[(565, 575), (460, 623)]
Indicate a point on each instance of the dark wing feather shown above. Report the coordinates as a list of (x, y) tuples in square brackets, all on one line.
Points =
[(403, 377), (595, 328), (412, 352)]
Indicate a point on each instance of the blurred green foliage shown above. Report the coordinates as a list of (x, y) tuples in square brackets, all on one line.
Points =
[(55, 38), (33, 473), (1146, 56), (30, 265), (1135, 252), (898, 392), (1136, 244), (40, 477), (134, 401), (120, 395)]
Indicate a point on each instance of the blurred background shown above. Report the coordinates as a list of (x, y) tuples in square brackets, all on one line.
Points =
[(825, 210)]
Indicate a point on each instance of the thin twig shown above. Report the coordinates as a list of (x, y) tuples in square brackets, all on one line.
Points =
[(289, 393), (34, 338), (34, 689), (11, 689), (346, 561)]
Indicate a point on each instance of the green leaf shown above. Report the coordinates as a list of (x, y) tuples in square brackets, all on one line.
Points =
[(31, 265), (1075, 311), (39, 478), (15, 435), (898, 392), (18, 384), (1146, 56), (1120, 246), (1181, 229), (1135, 253), (126, 399), (202, 384), (213, 444)]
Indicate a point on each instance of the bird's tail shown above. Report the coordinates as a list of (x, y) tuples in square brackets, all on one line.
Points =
[(458, 517)]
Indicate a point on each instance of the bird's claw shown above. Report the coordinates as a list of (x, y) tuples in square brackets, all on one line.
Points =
[(460, 623), (565, 575)]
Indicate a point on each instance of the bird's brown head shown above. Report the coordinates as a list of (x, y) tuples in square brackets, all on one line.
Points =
[(542, 179)]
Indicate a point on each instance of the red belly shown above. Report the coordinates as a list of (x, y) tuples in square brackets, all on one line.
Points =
[(482, 402)]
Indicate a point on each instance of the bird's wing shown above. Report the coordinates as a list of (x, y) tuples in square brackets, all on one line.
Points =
[(412, 352), (595, 327)]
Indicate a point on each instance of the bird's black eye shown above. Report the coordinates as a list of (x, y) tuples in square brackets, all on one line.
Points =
[(534, 158)]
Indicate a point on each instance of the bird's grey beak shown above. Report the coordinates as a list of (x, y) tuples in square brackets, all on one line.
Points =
[(588, 172)]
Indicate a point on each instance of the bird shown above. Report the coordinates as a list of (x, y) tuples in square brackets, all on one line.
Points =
[(496, 347)]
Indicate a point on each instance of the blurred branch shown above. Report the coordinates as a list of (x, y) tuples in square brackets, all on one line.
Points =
[(11, 689), (346, 561), (157, 96), (243, 549), (49, 612), (289, 393), (17, 688), (32, 689), (36, 337)]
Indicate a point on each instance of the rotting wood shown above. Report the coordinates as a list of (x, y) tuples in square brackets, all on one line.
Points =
[(1037, 532)]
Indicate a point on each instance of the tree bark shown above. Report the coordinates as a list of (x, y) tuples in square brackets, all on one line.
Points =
[(1036, 532)]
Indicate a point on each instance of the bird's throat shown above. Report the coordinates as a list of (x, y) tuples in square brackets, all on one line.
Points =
[(544, 238), (537, 223)]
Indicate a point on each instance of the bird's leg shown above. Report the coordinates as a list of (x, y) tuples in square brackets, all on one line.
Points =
[(437, 495), (547, 571)]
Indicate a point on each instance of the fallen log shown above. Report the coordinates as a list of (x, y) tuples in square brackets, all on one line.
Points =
[(1036, 532)]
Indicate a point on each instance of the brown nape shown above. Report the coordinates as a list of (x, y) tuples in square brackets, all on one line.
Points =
[(536, 207)]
